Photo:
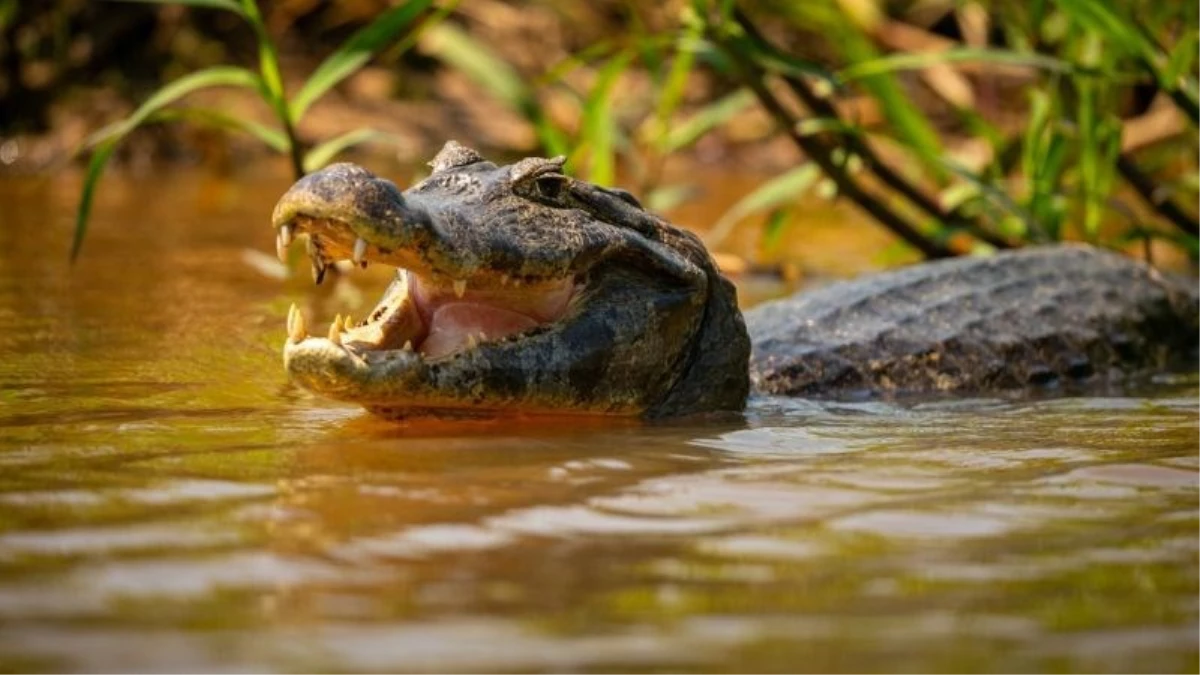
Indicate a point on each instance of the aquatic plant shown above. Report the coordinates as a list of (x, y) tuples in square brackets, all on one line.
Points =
[(267, 82), (1077, 61), (996, 124), (937, 169)]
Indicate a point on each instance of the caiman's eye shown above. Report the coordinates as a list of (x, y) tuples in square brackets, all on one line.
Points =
[(549, 187), (540, 179)]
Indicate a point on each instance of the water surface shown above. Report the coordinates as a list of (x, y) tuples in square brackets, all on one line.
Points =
[(169, 502)]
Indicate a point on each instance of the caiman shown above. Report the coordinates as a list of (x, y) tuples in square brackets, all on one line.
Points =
[(523, 289)]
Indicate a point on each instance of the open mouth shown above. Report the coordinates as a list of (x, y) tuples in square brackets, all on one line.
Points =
[(424, 312)]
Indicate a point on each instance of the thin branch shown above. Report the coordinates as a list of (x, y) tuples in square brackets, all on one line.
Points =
[(822, 107), (820, 153), (1150, 193)]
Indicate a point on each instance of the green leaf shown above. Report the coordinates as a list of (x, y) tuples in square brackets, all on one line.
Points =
[(777, 224), (229, 76), (355, 52), (486, 68), (598, 123), (228, 5), (781, 63), (706, 119), (325, 152), (1107, 20), (993, 194), (909, 122), (95, 170), (105, 140), (958, 195), (593, 52), (671, 91), (812, 126), (782, 189), (272, 138), (1181, 60), (8, 13), (902, 61), (104, 149), (667, 197), (477, 62)]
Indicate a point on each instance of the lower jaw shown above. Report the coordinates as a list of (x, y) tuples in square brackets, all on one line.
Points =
[(405, 387)]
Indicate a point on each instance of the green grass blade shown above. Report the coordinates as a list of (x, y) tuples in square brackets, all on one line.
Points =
[(589, 54), (271, 86), (903, 61), (773, 61), (478, 62), (229, 76), (598, 121), (910, 124), (322, 154), (95, 169), (708, 118), (667, 197), (105, 141), (272, 138), (487, 69), (355, 52), (783, 189), (779, 221), (671, 90), (993, 194), (1183, 56), (1107, 20), (228, 5)]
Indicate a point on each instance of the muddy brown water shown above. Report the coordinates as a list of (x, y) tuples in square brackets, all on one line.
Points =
[(169, 502)]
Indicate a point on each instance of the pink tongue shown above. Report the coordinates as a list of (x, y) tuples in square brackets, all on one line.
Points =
[(452, 324)]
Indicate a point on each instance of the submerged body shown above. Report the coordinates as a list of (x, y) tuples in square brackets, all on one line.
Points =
[(523, 289), (1028, 317)]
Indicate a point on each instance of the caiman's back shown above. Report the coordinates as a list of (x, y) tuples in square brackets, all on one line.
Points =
[(1027, 317)]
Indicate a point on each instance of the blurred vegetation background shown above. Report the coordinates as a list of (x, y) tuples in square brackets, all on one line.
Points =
[(958, 125)]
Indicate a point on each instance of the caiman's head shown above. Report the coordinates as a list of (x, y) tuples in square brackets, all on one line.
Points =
[(519, 289)]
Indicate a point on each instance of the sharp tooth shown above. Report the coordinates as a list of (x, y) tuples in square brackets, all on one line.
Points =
[(312, 245), (335, 331), (347, 323), (297, 330), (408, 345), (471, 343), (460, 287), (281, 246), (360, 250), (318, 268), (285, 235), (291, 318)]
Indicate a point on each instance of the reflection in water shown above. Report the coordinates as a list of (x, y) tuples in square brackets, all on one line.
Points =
[(169, 502)]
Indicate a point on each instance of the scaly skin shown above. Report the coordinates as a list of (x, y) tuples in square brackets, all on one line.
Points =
[(596, 306), (1037, 316)]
